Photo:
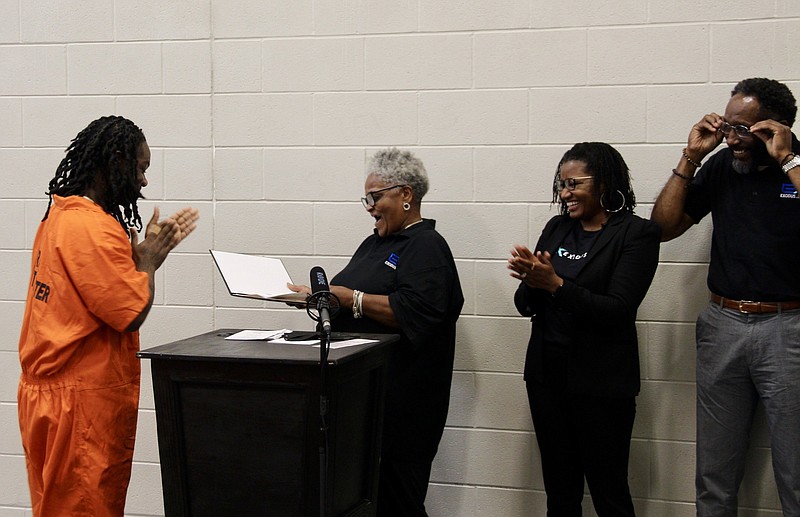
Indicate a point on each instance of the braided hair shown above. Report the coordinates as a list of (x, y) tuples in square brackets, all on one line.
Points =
[(611, 175), (104, 152)]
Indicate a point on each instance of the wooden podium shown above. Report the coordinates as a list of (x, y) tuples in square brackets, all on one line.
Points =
[(239, 426)]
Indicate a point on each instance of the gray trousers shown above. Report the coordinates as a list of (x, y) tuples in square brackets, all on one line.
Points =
[(742, 358)]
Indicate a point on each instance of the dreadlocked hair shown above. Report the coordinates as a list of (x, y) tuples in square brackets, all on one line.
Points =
[(106, 148), (610, 172)]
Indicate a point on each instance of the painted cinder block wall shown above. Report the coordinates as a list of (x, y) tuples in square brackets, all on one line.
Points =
[(262, 113)]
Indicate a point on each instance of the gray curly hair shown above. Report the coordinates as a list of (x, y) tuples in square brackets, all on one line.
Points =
[(393, 166)]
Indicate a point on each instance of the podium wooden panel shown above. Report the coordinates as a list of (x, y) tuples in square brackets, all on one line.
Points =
[(239, 426)]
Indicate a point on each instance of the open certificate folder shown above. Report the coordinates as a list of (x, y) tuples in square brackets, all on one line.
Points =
[(251, 276)]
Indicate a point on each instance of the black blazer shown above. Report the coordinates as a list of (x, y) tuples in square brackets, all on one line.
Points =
[(603, 353)]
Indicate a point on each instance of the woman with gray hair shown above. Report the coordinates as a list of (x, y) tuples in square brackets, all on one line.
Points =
[(402, 280)]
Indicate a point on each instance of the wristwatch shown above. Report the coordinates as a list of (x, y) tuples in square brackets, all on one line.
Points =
[(791, 164)]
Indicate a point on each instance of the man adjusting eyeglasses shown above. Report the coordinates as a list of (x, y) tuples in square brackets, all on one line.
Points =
[(750, 187)]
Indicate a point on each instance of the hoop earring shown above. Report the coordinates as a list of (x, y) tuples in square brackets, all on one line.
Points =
[(406, 207), (602, 204)]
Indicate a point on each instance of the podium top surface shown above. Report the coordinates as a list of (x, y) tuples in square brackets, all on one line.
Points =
[(212, 346)]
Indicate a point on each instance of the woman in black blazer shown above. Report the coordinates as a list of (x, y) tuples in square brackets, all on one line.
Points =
[(581, 288)]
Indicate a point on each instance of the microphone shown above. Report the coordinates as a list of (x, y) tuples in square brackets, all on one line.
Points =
[(321, 293)]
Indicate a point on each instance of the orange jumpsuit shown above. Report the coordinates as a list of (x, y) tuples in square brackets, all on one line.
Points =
[(79, 390)]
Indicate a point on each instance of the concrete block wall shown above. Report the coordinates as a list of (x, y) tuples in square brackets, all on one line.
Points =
[(262, 113)]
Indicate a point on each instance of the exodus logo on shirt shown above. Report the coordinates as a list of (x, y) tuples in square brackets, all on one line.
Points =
[(392, 261), (564, 253), (788, 191)]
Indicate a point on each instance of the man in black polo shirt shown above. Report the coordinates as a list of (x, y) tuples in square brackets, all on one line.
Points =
[(748, 337)]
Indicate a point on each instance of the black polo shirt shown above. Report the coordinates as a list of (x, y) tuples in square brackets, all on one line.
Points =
[(415, 268), (755, 246)]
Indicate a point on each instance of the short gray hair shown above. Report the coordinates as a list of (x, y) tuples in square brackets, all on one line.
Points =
[(393, 166)]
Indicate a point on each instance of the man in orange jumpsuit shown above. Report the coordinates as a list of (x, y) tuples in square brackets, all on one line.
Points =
[(91, 287)]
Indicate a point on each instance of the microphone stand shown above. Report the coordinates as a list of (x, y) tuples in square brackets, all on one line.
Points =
[(324, 349)]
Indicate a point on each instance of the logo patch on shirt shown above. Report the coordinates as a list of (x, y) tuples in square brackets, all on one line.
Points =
[(788, 191), (392, 261), (564, 253)]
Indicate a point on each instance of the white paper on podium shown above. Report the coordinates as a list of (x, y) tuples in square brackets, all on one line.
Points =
[(257, 335), (315, 343), (251, 276), (349, 342)]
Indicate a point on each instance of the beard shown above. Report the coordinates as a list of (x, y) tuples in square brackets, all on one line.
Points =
[(759, 157), (742, 167)]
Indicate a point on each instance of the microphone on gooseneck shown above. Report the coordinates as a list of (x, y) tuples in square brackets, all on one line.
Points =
[(320, 293)]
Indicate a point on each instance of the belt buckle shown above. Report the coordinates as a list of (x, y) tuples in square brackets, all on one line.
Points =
[(745, 311)]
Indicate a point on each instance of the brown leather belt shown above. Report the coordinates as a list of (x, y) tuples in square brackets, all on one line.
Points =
[(748, 307)]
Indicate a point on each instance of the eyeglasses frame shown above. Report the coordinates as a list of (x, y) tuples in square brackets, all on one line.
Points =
[(562, 184), (371, 195), (740, 130)]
